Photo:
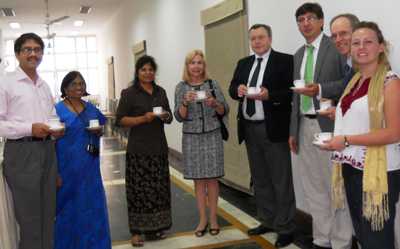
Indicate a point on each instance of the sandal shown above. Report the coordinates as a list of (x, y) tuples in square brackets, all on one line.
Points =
[(156, 236), (200, 233), (214, 231), (138, 242)]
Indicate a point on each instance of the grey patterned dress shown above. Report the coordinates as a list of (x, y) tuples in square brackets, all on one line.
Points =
[(202, 145)]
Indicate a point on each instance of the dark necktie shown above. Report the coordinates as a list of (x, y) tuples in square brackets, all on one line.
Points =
[(251, 105)]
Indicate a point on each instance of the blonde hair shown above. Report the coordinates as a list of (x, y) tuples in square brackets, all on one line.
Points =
[(188, 59)]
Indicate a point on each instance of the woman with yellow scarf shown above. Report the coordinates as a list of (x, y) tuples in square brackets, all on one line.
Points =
[(366, 143)]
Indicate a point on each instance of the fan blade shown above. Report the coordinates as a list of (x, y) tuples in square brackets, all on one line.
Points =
[(50, 22)]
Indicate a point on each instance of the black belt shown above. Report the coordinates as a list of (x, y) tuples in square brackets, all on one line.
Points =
[(30, 139), (254, 121), (310, 116)]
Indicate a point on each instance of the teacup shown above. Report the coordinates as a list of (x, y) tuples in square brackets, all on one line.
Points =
[(323, 136), (325, 104), (157, 110), (299, 83), (201, 94), (94, 123), (253, 90)]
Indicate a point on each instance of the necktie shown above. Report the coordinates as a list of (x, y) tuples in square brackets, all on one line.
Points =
[(251, 105), (306, 101)]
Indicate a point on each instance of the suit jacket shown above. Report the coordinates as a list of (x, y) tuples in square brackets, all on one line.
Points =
[(277, 78), (329, 73)]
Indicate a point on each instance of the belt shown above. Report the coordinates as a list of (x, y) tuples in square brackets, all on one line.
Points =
[(310, 116), (30, 139), (254, 121)]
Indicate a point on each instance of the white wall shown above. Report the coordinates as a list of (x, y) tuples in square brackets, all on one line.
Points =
[(287, 38), (171, 28)]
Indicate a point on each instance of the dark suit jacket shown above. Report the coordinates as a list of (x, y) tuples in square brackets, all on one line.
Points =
[(278, 78)]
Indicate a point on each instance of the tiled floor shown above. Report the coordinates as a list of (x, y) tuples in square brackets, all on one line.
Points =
[(233, 221)]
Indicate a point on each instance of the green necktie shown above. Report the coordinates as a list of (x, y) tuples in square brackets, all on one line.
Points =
[(306, 101)]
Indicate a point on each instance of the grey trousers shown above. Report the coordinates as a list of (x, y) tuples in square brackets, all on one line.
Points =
[(271, 172), (30, 169), (312, 167)]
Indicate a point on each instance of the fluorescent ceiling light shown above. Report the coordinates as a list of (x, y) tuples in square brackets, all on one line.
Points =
[(78, 23), (15, 25), (85, 9), (8, 11)]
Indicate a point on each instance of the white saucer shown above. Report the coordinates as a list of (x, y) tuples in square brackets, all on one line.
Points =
[(252, 94), (318, 143), (296, 88), (94, 128), (57, 128), (321, 111)]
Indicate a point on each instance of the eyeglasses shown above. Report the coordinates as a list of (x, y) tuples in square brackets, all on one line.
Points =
[(310, 18), (29, 50)]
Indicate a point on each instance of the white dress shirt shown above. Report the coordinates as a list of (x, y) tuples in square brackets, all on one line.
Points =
[(259, 114)]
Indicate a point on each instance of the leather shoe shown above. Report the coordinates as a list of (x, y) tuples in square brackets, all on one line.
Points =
[(314, 246), (261, 229), (284, 240)]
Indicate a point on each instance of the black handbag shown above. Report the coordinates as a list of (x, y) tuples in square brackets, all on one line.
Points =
[(224, 129)]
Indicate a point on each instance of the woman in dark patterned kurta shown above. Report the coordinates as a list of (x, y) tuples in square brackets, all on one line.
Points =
[(147, 172)]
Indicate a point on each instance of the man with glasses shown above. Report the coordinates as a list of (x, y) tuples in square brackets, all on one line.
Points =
[(320, 65), (30, 165)]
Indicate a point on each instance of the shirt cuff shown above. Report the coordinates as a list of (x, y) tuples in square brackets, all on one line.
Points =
[(319, 96)]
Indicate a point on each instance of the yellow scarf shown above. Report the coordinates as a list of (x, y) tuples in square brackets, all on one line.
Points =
[(375, 187)]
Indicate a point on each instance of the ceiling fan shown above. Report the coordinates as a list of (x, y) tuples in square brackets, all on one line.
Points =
[(48, 22)]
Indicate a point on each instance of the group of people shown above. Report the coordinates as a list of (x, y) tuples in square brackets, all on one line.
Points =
[(351, 181), (52, 171)]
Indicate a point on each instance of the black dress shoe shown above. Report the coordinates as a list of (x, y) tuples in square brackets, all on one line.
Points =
[(259, 230), (284, 240), (314, 246)]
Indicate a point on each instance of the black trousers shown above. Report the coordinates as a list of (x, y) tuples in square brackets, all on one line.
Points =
[(383, 239), (271, 172)]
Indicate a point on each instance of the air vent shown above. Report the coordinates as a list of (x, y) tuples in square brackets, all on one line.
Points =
[(85, 9), (8, 11)]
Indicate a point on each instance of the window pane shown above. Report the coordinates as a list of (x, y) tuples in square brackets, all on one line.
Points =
[(92, 60), (91, 43), (9, 47), (49, 78), (82, 60), (93, 82), (65, 61), (60, 76), (47, 63), (81, 44), (10, 63), (64, 44), (48, 46)]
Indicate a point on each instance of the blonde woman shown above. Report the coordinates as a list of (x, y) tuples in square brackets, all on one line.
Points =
[(198, 101), (366, 142)]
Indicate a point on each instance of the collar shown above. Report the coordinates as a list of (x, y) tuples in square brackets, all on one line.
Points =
[(317, 42), (139, 87), (264, 56), (349, 61), (22, 76)]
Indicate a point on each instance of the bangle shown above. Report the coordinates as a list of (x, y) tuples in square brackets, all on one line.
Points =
[(346, 142)]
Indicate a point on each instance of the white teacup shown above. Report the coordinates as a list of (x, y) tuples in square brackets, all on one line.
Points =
[(55, 124), (157, 110), (323, 136), (325, 104), (201, 95), (94, 123), (253, 90), (299, 83)]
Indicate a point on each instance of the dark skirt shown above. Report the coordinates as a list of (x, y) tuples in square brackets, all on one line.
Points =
[(148, 193)]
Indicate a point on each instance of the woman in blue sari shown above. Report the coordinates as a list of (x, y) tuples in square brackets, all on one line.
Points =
[(81, 218)]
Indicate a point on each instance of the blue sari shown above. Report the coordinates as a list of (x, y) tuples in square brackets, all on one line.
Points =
[(81, 216)]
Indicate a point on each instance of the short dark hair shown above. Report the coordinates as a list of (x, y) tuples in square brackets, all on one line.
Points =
[(68, 79), (264, 26), (24, 38), (314, 8), (353, 19), (145, 59)]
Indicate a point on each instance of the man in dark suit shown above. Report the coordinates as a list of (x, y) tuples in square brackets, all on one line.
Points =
[(263, 123), (321, 66)]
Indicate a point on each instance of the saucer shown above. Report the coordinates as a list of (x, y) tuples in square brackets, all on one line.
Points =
[(296, 88), (59, 128), (94, 128), (318, 143), (324, 111), (252, 94)]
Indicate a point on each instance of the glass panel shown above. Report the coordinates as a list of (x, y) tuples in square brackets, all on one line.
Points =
[(10, 63), (47, 63), (65, 61), (93, 82), (9, 47), (82, 60), (81, 44), (64, 44), (92, 43), (60, 76), (48, 46), (92, 60), (50, 80)]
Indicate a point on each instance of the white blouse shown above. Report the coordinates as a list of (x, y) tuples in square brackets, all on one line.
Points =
[(354, 122)]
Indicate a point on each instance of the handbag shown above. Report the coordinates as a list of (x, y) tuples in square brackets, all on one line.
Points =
[(224, 129)]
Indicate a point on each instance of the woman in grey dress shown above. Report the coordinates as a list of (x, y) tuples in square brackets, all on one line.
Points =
[(202, 145)]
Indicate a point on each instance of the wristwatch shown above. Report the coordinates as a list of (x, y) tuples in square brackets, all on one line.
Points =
[(346, 142)]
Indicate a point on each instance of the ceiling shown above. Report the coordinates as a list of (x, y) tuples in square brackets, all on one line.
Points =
[(31, 14)]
